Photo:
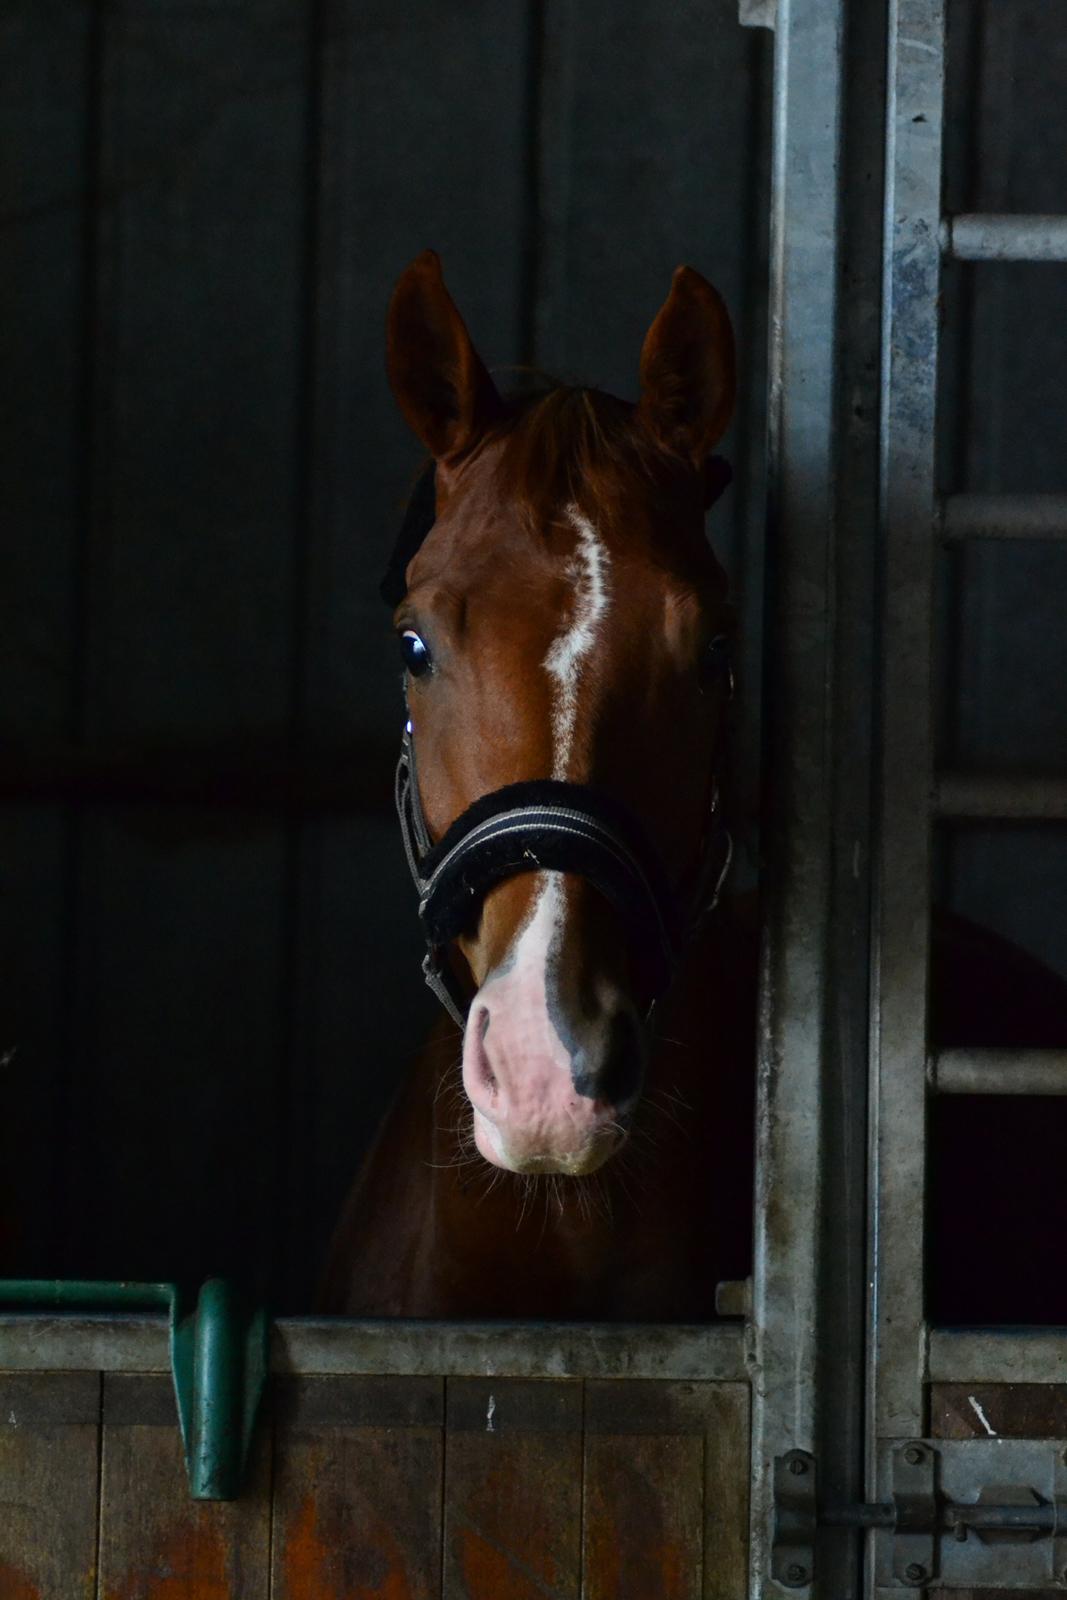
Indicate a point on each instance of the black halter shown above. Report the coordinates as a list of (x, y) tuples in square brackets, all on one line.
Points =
[(541, 826), (545, 826)]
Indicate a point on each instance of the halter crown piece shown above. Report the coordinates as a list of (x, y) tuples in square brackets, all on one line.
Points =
[(544, 825)]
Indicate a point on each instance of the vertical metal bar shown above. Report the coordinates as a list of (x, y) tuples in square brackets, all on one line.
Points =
[(909, 378), (843, 1274), (805, 245)]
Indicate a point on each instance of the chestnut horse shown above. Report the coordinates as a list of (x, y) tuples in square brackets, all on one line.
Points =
[(563, 625), (565, 631)]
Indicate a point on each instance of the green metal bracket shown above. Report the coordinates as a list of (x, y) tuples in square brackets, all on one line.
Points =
[(219, 1356)]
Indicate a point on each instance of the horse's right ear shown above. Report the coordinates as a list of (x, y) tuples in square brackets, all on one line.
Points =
[(687, 370), (446, 395)]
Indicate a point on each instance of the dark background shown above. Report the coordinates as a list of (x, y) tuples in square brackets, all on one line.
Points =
[(208, 955)]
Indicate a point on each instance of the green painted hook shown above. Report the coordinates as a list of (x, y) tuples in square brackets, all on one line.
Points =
[(219, 1354), (219, 1357)]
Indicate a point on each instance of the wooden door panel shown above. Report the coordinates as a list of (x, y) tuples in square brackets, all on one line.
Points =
[(513, 1489), (49, 1429), (380, 1488), (357, 1489), (156, 1543), (666, 1490)]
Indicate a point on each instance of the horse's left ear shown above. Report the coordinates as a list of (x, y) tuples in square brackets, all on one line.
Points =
[(437, 376), (688, 382)]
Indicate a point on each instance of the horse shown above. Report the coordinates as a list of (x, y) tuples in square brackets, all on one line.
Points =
[(576, 1140), (565, 631)]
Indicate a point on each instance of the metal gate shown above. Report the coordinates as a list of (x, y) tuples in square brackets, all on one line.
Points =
[(943, 1450), (911, 1366)]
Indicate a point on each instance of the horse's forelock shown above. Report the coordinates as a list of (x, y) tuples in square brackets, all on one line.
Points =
[(561, 446), (565, 445)]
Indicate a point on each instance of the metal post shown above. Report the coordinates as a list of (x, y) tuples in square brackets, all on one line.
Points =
[(909, 375), (808, 1289)]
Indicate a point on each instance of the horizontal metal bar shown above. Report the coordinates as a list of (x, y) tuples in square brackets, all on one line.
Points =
[(1007, 797), (951, 1515), (987, 236), (997, 1355), (562, 1350), (446, 1349), (999, 1072), (84, 1293), (116, 1343), (1003, 516)]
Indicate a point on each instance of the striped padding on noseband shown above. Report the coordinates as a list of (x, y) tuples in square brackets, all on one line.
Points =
[(540, 826)]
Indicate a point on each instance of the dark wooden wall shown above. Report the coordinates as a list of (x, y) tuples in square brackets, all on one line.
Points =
[(208, 959)]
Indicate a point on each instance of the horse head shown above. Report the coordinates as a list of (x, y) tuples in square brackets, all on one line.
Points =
[(564, 630)]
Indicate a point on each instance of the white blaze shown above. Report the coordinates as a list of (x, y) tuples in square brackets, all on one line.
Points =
[(588, 570), (524, 982)]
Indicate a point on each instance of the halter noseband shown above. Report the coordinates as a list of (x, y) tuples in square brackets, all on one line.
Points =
[(547, 825)]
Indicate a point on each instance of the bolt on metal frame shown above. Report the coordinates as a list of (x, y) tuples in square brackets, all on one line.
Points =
[(903, 1354)]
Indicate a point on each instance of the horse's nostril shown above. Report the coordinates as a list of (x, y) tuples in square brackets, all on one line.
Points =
[(617, 1077), (484, 1074)]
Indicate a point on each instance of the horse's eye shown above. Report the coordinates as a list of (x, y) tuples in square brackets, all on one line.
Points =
[(716, 657), (416, 656)]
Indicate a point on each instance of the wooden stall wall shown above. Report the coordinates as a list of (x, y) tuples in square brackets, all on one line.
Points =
[(382, 1486), (208, 953)]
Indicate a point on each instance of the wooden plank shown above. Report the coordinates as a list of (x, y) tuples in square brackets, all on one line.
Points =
[(513, 1476), (1008, 1410), (155, 1542), (666, 1491), (47, 168), (180, 971), (33, 957), (357, 1489), (45, 113), (49, 1426), (644, 1471), (195, 481), (726, 1479), (203, 133)]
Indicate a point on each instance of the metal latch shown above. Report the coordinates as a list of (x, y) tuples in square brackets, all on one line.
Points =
[(982, 1513)]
